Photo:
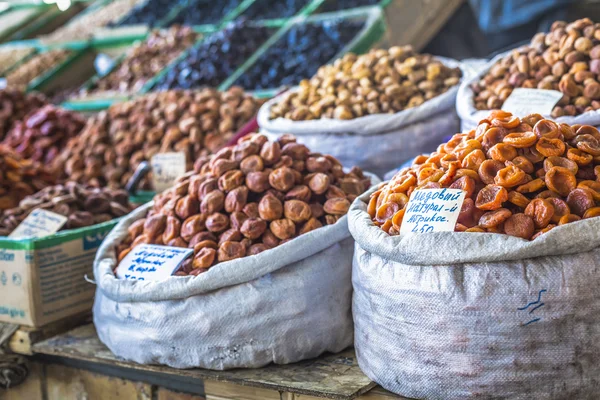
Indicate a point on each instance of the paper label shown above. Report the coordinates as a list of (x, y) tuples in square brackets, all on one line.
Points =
[(2, 83), (39, 223), (150, 262), (432, 210), (523, 102), (166, 168)]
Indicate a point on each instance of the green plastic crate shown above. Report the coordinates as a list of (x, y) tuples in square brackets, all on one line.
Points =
[(36, 12), (307, 10), (321, 3), (370, 34)]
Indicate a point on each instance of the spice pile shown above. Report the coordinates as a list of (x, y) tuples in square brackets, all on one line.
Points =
[(247, 199), (522, 177)]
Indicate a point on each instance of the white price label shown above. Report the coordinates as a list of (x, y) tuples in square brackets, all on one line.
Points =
[(150, 262), (39, 223), (2, 83), (432, 210), (103, 64), (166, 168), (523, 102)]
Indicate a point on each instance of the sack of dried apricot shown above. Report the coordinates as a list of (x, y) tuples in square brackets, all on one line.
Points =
[(565, 61), (505, 307), (373, 110), (269, 279)]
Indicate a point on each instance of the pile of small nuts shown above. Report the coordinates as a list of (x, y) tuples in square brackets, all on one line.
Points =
[(565, 59), (38, 65), (15, 105), (147, 59), (44, 133), (382, 81), (11, 55), (522, 177), (246, 199), (112, 144), (20, 178), (83, 205), (83, 27)]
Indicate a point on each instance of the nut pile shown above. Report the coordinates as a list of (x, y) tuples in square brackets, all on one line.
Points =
[(83, 27), (44, 133), (36, 66), (112, 144), (15, 105), (382, 81), (247, 199), (270, 9), (83, 205), (299, 53), (12, 55), (522, 177), (20, 178), (565, 59), (150, 12), (215, 58), (200, 12), (147, 59)]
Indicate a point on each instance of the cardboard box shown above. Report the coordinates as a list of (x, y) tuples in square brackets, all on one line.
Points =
[(43, 280)]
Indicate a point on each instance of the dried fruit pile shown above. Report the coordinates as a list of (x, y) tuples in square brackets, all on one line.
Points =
[(15, 105), (565, 59), (382, 81), (83, 205), (44, 133), (20, 178), (247, 199), (36, 66), (522, 177), (112, 144)]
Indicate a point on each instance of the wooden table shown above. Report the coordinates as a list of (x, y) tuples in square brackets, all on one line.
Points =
[(76, 365)]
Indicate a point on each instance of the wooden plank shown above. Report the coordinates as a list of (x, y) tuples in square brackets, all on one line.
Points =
[(380, 393), (165, 394), (22, 340), (228, 391), (332, 376), (64, 383), (417, 22)]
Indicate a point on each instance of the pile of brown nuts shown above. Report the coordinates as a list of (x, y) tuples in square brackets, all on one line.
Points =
[(112, 144), (20, 178), (44, 133), (36, 66), (522, 177), (247, 199), (83, 205), (15, 105), (83, 27), (11, 55), (565, 59), (147, 59), (381, 81)]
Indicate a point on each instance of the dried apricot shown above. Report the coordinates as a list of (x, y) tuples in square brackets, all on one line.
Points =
[(502, 152), (520, 139), (579, 200), (518, 199), (509, 176), (531, 186), (386, 211), (541, 211), (494, 218), (522, 163), (592, 212), (566, 219), (550, 147), (560, 162), (560, 180), (465, 183), (519, 225), (579, 157), (488, 170), (592, 186), (561, 208), (542, 231), (491, 197), (546, 129)]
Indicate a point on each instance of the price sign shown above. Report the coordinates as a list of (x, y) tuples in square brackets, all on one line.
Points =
[(39, 223), (166, 168), (150, 262), (523, 102), (432, 210)]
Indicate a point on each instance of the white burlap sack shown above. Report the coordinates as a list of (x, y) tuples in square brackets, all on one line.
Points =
[(478, 315), (470, 116), (376, 143), (283, 305)]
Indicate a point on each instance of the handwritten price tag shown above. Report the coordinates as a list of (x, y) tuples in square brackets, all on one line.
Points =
[(523, 102), (166, 168), (150, 262), (432, 210), (39, 223)]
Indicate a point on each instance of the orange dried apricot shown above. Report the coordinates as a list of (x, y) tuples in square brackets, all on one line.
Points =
[(491, 197), (520, 139), (540, 211), (519, 225), (509, 176), (560, 180)]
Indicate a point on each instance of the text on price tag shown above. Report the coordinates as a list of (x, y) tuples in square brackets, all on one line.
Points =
[(523, 102), (166, 168), (432, 210), (39, 223), (150, 262)]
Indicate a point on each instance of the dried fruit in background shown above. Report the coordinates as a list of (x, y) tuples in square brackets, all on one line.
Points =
[(15, 105)]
